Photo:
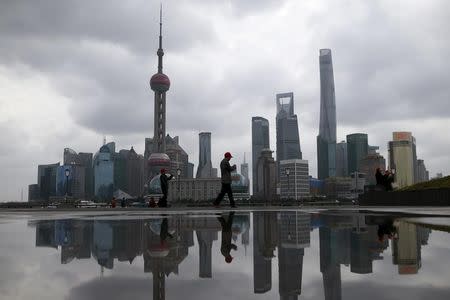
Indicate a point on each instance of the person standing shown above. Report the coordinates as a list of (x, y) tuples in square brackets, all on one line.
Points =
[(164, 187), (225, 170)]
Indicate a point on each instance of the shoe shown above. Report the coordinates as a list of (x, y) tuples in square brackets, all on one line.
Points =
[(233, 206)]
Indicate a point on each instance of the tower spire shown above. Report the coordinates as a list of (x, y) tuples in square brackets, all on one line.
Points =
[(160, 49)]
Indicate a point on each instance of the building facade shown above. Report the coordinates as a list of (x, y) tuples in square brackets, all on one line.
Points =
[(369, 166), (104, 173), (294, 179), (341, 159), (260, 141), (358, 183), (72, 185), (338, 187), (326, 140), (357, 149), (204, 169), (422, 173), (288, 140), (47, 180), (402, 158), (266, 177)]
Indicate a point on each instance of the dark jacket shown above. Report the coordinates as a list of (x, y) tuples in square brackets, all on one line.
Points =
[(226, 170), (165, 182), (227, 234)]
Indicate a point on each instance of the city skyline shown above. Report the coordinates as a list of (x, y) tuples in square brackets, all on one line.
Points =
[(101, 87)]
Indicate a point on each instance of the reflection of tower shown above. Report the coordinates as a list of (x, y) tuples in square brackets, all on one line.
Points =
[(360, 260), (294, 236), (264, 243), (407, 249), (329, 265), (205, 240), (204, 169), (326, 140)]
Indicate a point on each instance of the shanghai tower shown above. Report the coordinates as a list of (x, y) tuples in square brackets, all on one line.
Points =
[(326, 140)]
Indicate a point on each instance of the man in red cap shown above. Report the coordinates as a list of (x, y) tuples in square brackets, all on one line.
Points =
[(164, 180), (226, 170), (227, 233)]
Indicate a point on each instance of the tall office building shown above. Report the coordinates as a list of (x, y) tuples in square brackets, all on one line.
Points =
[(294, 179), (204, 169), (370, 164), (179, 159), (160, 84), (422, 173), (104, 173), (134, 170), (74, 184), (402, 158), (85, 159), (47, 180), (266, 176), (288, 140), (341, 159), (326, 140), (244, 171), (357, 149), (260, 141)]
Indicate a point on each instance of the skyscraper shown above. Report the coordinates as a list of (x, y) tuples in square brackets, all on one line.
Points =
[(341, 159), (47, 180), (244, 170), (260, 141), (326, 140), (288, 141), (104, 173), (421, 171), (402, 157), (204, 169), (357, 149)]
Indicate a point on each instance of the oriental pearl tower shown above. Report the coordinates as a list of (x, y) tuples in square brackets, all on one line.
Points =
[(160, 84)]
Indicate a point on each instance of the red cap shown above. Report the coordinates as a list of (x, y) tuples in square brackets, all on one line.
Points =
[(163, 170), (229, 259), (228, 154)]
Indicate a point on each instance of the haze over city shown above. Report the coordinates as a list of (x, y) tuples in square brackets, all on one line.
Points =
[(72, 73)]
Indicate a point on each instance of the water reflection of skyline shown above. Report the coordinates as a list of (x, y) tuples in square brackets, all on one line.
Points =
[(351, 240)]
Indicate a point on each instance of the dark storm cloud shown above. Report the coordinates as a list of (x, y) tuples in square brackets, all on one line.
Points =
[(129, 23)]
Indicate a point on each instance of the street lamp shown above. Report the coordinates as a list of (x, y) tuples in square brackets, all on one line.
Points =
[(67, 173), (178, 182), (288, 171)]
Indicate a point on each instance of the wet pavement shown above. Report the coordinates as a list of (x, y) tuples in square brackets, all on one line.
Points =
[(262, 253)]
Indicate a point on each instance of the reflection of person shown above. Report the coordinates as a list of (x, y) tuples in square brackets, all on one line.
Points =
[(226, 169), (164, 187), (164, 231), (227, 234), (386, 229)]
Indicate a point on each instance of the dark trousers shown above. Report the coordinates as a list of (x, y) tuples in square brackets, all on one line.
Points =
[(163, 201), (226, 189)]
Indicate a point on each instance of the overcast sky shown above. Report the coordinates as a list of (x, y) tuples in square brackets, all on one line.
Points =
[(74, 71)]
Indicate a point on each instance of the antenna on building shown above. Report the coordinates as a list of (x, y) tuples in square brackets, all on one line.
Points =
[(244, 157), (104, 140)]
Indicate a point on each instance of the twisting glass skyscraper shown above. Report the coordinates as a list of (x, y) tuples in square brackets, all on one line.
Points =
[(326, 140)]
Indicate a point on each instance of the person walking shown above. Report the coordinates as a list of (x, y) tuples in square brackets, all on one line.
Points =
[(226, 245), (164, 187), (225, 170)]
